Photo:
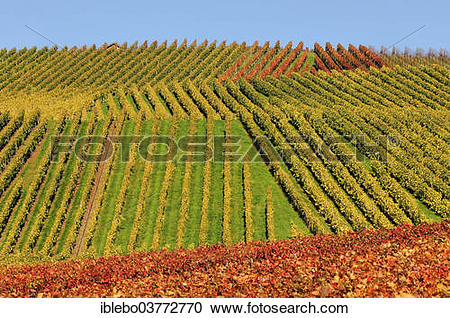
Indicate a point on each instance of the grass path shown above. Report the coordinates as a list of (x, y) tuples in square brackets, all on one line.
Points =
[(106, 214)]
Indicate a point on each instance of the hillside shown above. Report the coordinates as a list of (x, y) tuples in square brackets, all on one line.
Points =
[(331, 140)]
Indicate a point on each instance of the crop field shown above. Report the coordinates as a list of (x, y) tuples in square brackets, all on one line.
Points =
[(232, 143)]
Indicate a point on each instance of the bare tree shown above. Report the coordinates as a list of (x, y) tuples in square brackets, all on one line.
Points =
[(384, 50), (407, 51), (420, 52), (395, 51), (443, 52), (431, 52)]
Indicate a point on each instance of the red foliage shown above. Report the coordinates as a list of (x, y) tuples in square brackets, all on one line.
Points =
[(361, 57), (232, 69), (350, 58), (379, 61), (280, 70), (299, 63), (327, 60), (254, 46), (254, 58), (305, 70), (319, 64), (277, 60), (336, 57), (405, 261), (263, 62)]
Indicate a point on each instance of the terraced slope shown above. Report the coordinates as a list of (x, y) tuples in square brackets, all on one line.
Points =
[(323, 147)]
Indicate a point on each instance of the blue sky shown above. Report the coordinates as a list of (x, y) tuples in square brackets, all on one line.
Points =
[(359, 22)]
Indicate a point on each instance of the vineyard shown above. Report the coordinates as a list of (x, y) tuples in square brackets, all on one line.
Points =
[(265, 143), (408, 261)]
